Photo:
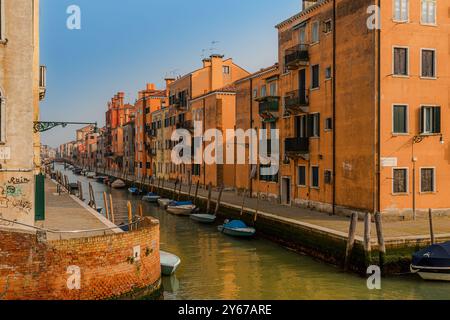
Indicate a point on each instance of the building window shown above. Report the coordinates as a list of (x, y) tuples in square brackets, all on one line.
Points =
[(427, 180), (328, 124), (2, 21), (2, 118), (315, 76), (400, 122), (428, 15), (226, 69), (263, 91), (430, 120), (314, 177), (400, 181), (327, 26), (315, 37), (273, 89), (328, 73), (328, 177), (196, 170), (301, 176), (267, 178), (428, 67), (314, 125), (302, 36), (401, 10), (401, 61)]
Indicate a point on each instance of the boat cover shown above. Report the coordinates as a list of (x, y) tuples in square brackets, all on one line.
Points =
[(235, 224), (437, 255), (151, 194), (180, 203)]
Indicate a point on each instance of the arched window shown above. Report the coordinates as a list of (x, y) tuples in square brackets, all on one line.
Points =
[(2, 117)]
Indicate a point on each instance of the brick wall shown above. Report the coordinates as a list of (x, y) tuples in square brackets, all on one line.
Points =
[(31, 269)]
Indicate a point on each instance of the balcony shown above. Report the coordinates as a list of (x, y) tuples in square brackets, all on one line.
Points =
[(296, 56), (153, 133), (269, 108), (296, 147), (42, 82), (297, 101), (187, 125)]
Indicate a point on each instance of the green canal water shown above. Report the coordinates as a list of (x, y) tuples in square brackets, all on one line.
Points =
[(215, 266)]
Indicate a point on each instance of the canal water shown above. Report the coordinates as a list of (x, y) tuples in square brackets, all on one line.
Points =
[(215, 266)]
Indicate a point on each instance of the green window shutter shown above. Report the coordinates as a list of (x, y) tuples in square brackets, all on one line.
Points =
[(437, 120), (421, 119), (39, 197)]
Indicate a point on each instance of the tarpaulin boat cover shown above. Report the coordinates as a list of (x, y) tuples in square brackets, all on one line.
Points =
[(437, 255), (181, 203), (236, 224)]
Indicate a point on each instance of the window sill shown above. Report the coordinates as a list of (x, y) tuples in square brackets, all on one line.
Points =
[(428, 193), (314, 89), (428, 24), (400, 76), (303, 187), (400, 194), (315, 188), (400, 21), (428, 78), (400, 134)]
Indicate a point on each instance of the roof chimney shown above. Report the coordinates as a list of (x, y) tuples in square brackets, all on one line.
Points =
[(150, 86), (308, 3), (169, 81)]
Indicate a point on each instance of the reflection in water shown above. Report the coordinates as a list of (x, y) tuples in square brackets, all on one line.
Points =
[(215, 266)]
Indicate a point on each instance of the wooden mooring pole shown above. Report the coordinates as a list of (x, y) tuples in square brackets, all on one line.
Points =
[(219, 199), (179, 189), (430, 218), (105, 201), (243, 202), (130, 216), (380, 236), (111, 208), (196, 192), (208, 205), (351, 239), (367, 236)]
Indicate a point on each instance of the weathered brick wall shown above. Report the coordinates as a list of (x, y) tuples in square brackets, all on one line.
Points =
[(30, 269)]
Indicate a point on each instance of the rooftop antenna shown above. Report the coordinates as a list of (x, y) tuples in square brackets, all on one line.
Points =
[(213, 44), (173, 73)]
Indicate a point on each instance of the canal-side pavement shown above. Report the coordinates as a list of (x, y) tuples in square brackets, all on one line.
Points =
[(65, 212)]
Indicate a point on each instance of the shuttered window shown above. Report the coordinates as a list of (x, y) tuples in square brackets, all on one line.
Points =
[(427, 180), (301, 176), (401, 10), (315, 76), (400, 181), (315, 177), (430, 120), (400, 119), (428, 63), (401, 61), (428, 14)]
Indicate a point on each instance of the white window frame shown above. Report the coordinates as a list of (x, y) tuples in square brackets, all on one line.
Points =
[(311, 177), (270, 84), (306, 177), (434, 181), (407, 119), (435, 63), (3, 117), (407, 58), (426, 133), (313, 25), (394, 18), (2, 22), (407, 181), (435, 13)]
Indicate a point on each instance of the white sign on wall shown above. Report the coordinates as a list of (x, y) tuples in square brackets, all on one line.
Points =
[(5, 153), (389, 162)]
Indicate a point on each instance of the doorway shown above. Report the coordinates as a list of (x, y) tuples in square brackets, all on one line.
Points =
[(286, 191)]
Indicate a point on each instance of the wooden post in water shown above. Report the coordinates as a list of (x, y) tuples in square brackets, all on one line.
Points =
[(367, 234), (243, 202), (175, 189), (112, 208), (130, 216), (351, 239), (141, 211), (105, 201), (257, 208), (430, 217), (380, 236), (219, 199), (209, 198), (159, 183), (179, 189), (196, 192), (190, 188)]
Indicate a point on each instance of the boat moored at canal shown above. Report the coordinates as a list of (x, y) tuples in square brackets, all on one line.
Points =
[(237, 228), (433, 263), (181, 208), (151, 197), (203, 218), (169, 263)]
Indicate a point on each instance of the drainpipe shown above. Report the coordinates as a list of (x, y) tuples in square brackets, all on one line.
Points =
[(334, 107), (378, 158), (250, 182)]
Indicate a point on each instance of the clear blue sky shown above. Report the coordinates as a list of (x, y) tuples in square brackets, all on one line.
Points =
[(122, 45)]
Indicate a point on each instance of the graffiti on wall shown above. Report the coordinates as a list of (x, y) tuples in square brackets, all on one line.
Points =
[(13, 196)]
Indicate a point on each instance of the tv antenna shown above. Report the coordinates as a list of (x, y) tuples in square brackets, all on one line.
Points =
[(213, 48)]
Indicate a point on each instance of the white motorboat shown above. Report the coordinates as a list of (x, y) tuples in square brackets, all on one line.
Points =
[(118, 184), (433, 263), (181, 208), (203, 218), (151, 197), (163, 202), (169, 263)]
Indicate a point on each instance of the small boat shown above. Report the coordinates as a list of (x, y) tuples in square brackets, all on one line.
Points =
[(118, 184), (77, 171), (135, 191), (100, 179), (169, 263), (151, 197), (91, 175), (163, 202), (203, 218), (181, 208), (237, 228), (433, 263)]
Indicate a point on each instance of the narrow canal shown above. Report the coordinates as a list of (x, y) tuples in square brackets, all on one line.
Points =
[(215, 266)]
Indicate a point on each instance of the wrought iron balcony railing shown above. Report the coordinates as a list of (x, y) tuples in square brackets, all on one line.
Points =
[(296, 56), (296, 146), (297, 101)]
